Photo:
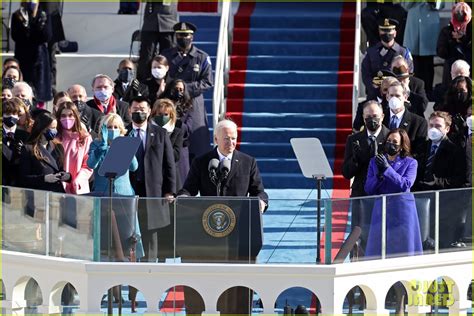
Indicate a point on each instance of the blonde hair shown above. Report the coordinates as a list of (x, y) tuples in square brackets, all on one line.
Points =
[(164, 104), (112, 118)]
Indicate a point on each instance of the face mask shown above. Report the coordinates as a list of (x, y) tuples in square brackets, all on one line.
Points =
[(139, 117), (113, 133), (461, 96), (158, 73), (8, 83), (435, 134), (80, 105), (177, 96), (459, 16), (126, 75), (395, 104), (391, 149), (27, 103), (103, 95), (387, 37), (372, 124), (68, 123), (162, 120), (50, 134), (10, 121), (184, 42), (469, 124)]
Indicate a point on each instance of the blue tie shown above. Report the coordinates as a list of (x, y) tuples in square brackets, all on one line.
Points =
[(429, 163), (140, 156), (394, 122)]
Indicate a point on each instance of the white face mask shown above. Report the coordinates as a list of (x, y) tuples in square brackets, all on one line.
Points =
[(435, 134), (395, 104), (158, 73), (469, 124)]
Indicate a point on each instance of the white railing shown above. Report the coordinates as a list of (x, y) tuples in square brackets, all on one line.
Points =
[(356, 80), (330, 284), (222, 63)]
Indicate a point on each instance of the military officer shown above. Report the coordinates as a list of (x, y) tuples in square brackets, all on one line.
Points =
[(193, 66), (379, 57)]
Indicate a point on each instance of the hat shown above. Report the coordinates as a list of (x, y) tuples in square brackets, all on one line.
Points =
[(381, 75), (184, 27), (401, 72), (388, 24)]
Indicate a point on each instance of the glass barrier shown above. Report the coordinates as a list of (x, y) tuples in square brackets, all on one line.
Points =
[(232, 230), (24, 217)]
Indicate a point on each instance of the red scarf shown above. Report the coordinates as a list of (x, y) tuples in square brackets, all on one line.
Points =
[(111, 106)]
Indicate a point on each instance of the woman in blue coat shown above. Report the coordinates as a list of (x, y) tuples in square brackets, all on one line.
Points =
[(394, 172)]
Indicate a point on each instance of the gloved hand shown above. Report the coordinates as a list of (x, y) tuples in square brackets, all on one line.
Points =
[(356, 151), (65, 176), (104, 135), (85, 120), (135, 85), (52, 178), (18, 147), (382, 163)]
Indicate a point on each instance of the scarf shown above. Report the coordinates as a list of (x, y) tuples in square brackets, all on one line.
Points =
[(110, 108)]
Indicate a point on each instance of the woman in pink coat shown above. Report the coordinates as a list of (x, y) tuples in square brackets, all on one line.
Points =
[(76, 141)]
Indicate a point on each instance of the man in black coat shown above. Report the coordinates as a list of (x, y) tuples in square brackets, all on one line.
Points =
[(158, 21), (105, 102), (360, 148), (155, 176), (441, 166), (397, 116), (89, 116), (126, 85)]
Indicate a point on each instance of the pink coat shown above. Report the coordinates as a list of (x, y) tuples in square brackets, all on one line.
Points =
[(75, 162)]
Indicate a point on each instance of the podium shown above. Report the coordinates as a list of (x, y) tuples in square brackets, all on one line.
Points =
[(213, 229)]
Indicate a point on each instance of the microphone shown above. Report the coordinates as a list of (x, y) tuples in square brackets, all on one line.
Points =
[(224, 168), (212, 168)]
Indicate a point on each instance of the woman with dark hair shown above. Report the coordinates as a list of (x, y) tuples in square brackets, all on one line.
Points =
[(41, 160), (458, 97), (76, 142), (394, 172), (176, 92), (10, 76), (59, 98), (157, 83)]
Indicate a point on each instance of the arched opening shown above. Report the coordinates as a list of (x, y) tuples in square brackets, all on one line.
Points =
[(64, 298), (124, 299), (297, 300), (180, 299), (355, 301), (239, 300), (440, 294), (396, 299), (26, 296)]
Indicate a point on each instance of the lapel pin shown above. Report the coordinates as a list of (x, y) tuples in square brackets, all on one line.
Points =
[(405, 124)]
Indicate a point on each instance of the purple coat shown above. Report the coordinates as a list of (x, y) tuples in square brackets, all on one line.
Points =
[(403, 228)]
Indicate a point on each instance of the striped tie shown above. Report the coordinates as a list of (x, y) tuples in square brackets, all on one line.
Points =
[(429, 163), (394, 122)]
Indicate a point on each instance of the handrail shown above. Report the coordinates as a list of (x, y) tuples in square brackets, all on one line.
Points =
[(222, 64), (356, 90)]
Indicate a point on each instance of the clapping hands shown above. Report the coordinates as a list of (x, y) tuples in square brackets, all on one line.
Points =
[(382, 163)]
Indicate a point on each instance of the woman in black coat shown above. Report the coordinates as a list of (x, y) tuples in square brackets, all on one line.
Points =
[(41, 160)]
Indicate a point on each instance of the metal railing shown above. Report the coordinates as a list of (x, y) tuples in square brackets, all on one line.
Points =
[(357, 40), (222, 64)]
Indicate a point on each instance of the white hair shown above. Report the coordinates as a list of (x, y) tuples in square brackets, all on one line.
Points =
[(460, 68), (21, 84), (223, 124)]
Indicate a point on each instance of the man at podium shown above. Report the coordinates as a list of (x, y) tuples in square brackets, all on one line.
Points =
[(225, 171), (233, 174)]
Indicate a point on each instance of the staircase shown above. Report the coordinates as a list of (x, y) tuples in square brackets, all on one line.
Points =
[(291, 76)]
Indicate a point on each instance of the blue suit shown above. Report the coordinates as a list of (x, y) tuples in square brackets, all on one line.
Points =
[(403, 228)]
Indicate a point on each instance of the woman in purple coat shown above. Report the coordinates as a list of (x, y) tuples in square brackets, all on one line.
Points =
[(394, 172)]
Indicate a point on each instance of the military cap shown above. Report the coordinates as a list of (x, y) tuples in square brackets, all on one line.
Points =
[(388, 24), (184, 27), (401, 72), (381, 75)]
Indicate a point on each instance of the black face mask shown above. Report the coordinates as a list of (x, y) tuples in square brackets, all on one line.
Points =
[(462, 96), (10, 121), (184, 42), (460, 16), (177, 96), (162, 120), (392, 149), (372, 124), (126, 75), (8, 83), (387, 37), (27, 103), (80, 105), (138, 117)]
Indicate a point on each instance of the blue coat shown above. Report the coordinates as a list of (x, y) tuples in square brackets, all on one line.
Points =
[(422, 28), (403, 228)]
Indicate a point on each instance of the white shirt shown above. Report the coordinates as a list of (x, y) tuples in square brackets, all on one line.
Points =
[(143, 131), (376, 134), (222, 157), (399, 115)]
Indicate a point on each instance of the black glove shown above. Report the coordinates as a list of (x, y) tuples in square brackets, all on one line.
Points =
[(382, 163), (65, 176), (135, 85), (356, 151), (18, 147), (85, 120)]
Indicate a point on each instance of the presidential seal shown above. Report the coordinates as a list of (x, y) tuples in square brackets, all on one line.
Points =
[(218, 220)]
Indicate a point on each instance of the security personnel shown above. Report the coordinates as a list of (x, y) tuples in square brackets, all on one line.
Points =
[(379, 57), (193, 66)]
